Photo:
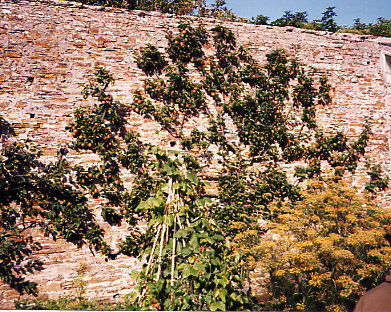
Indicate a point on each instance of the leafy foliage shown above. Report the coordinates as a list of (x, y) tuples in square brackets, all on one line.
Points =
[(260, 20), (189, 265), (38, 196), (298, 19), (258, 100), (377, 181), (381, 28), (181, 242), (165, 6), (324, 251), (220, 11), (5, 129), (152, 61), (327, 21), (216, 9), (273, 108)]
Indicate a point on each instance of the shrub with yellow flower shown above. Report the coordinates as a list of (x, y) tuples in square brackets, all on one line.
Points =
[(324, 251)]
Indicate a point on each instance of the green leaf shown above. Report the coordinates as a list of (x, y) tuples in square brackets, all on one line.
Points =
[(155, 201), (135, 274), (150, 203), (197, 285), (220, 293), (142, 205), (215, 261), (188, 270), (182, 233), (217, 306), (218, 237), (169, 220), (236, 298), (169, 170), (132, 296), (186, 251), (194, 242), (209, 240), (223, 281), (200, 267), (193, 272), (192, 178), (165, 187), (203, 201)]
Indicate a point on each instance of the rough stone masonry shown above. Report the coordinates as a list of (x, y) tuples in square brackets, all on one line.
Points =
[(47, 47)]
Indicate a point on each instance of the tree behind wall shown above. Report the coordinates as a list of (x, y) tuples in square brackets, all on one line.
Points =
[(327, 21), (298, 19), (217, 9)]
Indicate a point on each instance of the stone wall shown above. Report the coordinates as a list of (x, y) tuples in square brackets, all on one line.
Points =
[(47, 47)]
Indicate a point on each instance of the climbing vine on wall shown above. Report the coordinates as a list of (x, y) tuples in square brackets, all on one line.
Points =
[(181, 242), (273, 108)]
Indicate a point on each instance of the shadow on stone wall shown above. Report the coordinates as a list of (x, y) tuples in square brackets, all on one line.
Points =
[(6, 129)]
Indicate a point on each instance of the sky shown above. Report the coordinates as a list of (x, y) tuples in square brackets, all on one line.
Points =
[(347, 10)]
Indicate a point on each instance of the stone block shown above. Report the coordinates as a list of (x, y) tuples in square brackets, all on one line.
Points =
[(12, 54), (51, 287), (21, 104), (44, 44)]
